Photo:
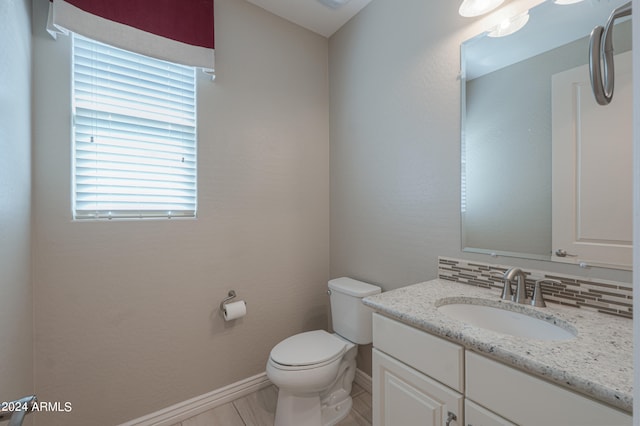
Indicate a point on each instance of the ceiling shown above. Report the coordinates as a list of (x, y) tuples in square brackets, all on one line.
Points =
[(313, 14)]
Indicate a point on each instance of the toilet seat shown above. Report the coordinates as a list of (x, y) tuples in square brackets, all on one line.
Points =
[(307, 350)]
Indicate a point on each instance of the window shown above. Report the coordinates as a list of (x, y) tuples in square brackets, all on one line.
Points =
[(134, 135)]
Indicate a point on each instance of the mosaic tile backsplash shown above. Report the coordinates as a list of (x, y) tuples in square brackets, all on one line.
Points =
[(608, 297)]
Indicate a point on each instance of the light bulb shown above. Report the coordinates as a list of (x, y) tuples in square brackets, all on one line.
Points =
[(510, 26), (470, 8)]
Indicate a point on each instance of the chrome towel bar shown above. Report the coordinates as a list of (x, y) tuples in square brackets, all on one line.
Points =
[(601, 68), (15, 411)]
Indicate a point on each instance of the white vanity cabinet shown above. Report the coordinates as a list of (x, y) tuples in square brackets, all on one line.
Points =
[(528, 400), (476, 415), (421, 379), (417, 377)]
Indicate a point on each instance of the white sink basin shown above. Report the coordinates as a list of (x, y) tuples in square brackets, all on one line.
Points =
[(505, 321)]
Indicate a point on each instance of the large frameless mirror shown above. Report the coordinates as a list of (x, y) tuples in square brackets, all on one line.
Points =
[(546, 172)]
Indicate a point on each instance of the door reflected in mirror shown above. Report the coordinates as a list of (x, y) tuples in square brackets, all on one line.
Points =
[(531, 128)]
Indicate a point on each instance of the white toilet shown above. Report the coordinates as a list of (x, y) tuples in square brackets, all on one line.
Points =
[(314, 370)]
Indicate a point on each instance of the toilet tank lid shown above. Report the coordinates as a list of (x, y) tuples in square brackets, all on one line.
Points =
[(353, 287)]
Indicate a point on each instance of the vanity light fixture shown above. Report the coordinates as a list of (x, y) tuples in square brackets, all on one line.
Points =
[(334, 4), (470, 8), (510, 25)]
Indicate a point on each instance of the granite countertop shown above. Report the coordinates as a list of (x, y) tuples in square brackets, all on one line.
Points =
[(598, 362)]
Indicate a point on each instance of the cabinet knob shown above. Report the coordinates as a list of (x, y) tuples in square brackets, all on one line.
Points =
[(450, 417)]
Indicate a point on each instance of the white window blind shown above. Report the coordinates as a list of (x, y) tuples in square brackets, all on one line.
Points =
[(134, 134)]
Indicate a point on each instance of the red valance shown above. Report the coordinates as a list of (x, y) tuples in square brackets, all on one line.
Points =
[(180, 31), (187, 21)]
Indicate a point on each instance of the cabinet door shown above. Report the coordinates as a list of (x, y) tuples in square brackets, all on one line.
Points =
[(475, 415), (404, 396)]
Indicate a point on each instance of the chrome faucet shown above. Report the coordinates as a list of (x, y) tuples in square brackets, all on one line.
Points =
[(521, 288), (16, 410)]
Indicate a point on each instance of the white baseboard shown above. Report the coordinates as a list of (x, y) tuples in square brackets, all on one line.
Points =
[(199, 404), (363, 380)]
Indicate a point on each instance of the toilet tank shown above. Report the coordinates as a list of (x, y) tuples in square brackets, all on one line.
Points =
[(351, 319)]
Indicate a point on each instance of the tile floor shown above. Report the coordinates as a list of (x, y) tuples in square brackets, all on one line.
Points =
[(258, 409)]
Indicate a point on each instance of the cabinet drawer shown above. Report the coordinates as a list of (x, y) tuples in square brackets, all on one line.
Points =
[(528, 400), (431, 355), (475, 415)]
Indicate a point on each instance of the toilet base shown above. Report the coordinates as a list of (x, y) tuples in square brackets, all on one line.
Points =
[(309, 410), (297, 407), (298, 410), (332, 414)]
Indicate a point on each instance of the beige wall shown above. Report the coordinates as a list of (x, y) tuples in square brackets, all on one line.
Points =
[(16, 313), (395, 143), (127, 317)]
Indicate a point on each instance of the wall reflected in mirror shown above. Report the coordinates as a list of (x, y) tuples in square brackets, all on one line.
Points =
[(510, 117)]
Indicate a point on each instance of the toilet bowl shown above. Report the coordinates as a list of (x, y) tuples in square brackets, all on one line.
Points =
[(307, 362), (314, 370)]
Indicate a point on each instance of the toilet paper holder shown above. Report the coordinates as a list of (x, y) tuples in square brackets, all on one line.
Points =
[(231, 296)]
